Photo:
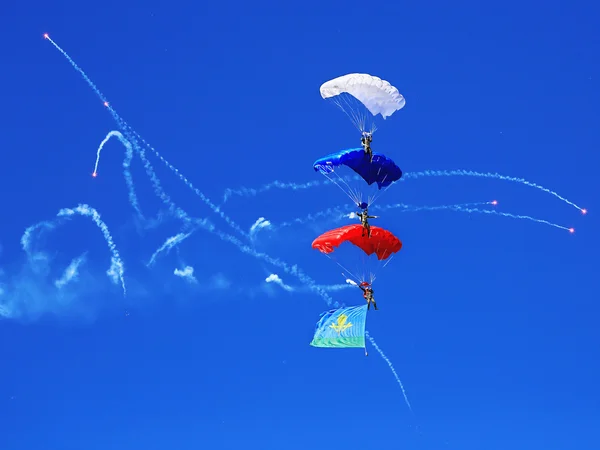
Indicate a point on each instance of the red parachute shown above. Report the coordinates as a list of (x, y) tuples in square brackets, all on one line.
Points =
[(382, 242)]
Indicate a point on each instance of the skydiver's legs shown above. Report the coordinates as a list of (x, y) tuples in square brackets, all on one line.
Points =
[(374, 304)]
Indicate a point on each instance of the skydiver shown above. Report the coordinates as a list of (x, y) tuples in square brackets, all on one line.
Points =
[(368, 296), (366, 143), (364, 220)]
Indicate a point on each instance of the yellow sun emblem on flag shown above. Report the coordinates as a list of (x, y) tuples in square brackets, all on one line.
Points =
[(341, 324)]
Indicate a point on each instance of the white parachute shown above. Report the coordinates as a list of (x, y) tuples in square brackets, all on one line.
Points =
[(362, 96)]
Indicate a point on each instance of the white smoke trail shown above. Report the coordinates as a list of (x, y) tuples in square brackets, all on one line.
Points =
[(337, 287), (415, 208), (27, 234), (512, 216), (132, 135), (189, 184), (260, 223), (471, 208), (253, 192), (116, 270), (335, 214), (71, 272), (274, 278), (385, 358), (187, 273), (158, 189), (497, 176), (126, 167), (293, 270), (168, 245)]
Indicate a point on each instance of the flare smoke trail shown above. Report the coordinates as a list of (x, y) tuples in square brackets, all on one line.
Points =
[(204, 224), (127, 129), (471, 208), (126, 168), (27, 234), (385, 358), (512, 216), (253, 192), (414, 208), (336, 214), (158, 189), (116, 270), (168, 245), (274, 278), (497, 176), (71, 272), (293, 270)]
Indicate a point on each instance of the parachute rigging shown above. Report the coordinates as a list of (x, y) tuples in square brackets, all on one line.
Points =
[(342, 168), (362, 97), (382, 244)]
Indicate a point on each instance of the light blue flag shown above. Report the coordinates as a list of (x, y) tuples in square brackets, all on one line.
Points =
[(341, 328)]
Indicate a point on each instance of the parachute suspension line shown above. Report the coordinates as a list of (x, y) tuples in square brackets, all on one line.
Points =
[(353, 104), (350, 192), (381, 265), (376, 195), (352, 107), (337, 184), (354, 192), (369, 268), (357, 279), (364, 265), (372, 197), (362, 268), (388, 261), (351, 115)]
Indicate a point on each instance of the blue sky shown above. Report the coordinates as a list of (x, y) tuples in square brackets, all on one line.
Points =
[(489, 321)]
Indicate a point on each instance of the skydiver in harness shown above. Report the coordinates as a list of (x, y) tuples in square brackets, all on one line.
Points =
[(368, 295), (366, 143), (364, 220)]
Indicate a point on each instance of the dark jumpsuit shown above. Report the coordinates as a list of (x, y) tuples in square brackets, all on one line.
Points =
[(368, 295)]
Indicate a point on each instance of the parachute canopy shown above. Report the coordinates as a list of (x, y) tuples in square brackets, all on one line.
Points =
[(382, 170), (382, 242), (377, 96)]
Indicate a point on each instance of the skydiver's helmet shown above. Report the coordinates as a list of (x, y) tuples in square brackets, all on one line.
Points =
[(365, 284), (363, 205)]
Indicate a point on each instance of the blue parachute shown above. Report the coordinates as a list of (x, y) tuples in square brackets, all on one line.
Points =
[(382, 172)]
